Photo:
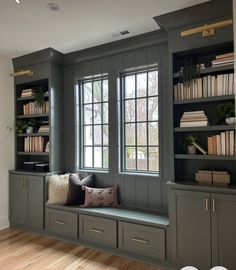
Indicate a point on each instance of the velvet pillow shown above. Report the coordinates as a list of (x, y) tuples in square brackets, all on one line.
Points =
[(98, 197), (76, 194)]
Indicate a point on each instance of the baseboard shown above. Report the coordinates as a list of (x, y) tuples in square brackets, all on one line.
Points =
[(4, 222)]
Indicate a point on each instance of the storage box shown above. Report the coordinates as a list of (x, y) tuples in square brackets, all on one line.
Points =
[(204, 177), (221, 178), (30, 165), (42, 167)]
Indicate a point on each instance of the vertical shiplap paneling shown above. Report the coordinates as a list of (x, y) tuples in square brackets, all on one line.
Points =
[(128, 59), (87, 68), (141, 190), (97, 66), (154, 194), (130, 192), (106, 64), (164, 201), (140, 56), (117, 62), (153, 54)]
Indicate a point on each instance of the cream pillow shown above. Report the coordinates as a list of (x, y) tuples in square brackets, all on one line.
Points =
[(58, 186)]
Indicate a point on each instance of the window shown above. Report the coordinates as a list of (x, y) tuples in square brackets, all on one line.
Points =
[(139, 125), (94, 123)]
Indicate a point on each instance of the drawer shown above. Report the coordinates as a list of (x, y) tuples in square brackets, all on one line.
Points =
[(98, 230), (143, 240), (62, 222)]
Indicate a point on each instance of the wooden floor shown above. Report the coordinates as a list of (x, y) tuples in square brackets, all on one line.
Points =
[(29, 251)]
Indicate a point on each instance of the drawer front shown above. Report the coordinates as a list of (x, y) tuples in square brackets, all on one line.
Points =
[(143, 240), (98, 230), (62, 222)]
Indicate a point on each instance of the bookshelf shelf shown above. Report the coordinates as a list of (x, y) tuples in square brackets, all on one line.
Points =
[(211, 70), (207, 128), (34, 134), (33, 116), (30, 98), (204, 157), (203, 100), (33, 153)]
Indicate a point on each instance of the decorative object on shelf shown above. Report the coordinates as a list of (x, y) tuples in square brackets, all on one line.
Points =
[(30, 125), (47, 148), (204, 177), (189, 72), (194, 119), (20, 126), (39, 97), (208, 29), (44, 127), (221, 178), (189, 142), (27, 73), (226, 112), (28, 92), (223, 59), (30, 165), (42, 167), (200, 148)]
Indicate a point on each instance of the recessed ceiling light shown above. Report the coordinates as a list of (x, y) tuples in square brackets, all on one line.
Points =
[(53, 6), (17, 1)]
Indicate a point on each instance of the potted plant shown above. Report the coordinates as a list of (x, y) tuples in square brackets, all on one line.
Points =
[(39, 97), (30, 126), (188, 141), (226, 112), (190, 71), (20, 126)]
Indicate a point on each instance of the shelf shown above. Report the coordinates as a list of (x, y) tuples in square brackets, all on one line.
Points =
[(205, 99), (211, 70), (204, 157), (33, 153), (34, 134), (207, 128), (29, 98), (33, 116)]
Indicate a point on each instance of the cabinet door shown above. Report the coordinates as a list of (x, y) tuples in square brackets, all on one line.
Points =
[(190, 228), (17, 199), (224, 230), (35, 201)]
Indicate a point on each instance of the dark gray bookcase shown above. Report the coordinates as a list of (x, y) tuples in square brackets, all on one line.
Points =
[(185, 165)]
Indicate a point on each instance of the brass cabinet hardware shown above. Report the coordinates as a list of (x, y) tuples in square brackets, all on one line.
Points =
[(27, 73), (207, 204), (61, 222), (143, 241), (213, 205), (96, 230)]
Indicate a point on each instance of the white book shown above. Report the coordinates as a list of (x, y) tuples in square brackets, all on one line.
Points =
[(220, 85), (209, 85), (231, 80), (223, 146), (231, 142), (213, 87), (199, 87)]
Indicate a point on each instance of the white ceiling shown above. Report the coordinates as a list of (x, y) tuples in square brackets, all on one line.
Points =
[(79, 24)]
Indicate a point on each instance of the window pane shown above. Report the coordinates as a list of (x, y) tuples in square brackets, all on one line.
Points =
[(130, 155), (141, 84), (105, 135), (153, 108), (105, 90), (105, 113), (130, 134), (88, 135), (153, 133), (88, 114), (141, 158), (130, 110), (141, 134), (153, 159), (97, 113), (98, 157), (141, 109), (88, 157), (87, 93), (153, 83), (98, 135), (130, 86), (97, 91), (105, 157)]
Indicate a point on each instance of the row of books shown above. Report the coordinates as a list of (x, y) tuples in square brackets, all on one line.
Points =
[(28, 93), (194, 119), (223, 59), (33, 108), (35, 144), (222, 144), (207, 86)]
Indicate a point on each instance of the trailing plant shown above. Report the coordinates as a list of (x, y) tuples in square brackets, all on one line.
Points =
[(39, 97), (190, 71), (226, 110)]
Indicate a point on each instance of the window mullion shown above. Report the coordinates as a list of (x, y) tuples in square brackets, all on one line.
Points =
[(136, 140), (147, 123)]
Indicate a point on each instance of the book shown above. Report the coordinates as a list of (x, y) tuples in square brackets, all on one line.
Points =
[(210, 145), (223, 150), (218, 145), (231, 142), (200, 148), (225, 55)]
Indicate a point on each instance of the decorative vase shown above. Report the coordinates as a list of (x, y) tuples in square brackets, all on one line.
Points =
[(230, 120), (192, 150), (29, 130)]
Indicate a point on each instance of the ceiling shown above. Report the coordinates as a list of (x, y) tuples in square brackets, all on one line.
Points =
[(79, 24)]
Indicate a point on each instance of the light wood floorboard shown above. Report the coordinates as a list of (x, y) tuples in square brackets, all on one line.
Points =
[(25, 250)]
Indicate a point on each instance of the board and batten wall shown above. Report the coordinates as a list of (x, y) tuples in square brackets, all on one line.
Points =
[(140, 191), (6, 136)]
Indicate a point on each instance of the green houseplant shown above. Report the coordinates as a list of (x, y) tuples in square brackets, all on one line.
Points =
[(20, 126), (30, 126), (189, 71), (188, 142), (39, 97), (226, 112)]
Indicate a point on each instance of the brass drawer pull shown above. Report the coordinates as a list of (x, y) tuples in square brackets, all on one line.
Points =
[(213, 205), (143, 241), (61, 222), (96, 230), (206, 204)]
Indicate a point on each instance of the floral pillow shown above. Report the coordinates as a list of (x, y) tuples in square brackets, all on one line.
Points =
[(99, 197)]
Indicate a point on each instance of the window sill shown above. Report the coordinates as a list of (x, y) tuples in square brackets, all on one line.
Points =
[(157, 175)]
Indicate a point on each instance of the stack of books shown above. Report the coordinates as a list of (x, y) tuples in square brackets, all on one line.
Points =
[(33, 108), (28, 93), (223, 59), (194, 119), (222, 144), (35, 144), (44, 127), (207, 86)]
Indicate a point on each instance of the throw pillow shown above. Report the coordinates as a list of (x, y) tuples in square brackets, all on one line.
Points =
[(58, 186), (98, 197), (76, 194)]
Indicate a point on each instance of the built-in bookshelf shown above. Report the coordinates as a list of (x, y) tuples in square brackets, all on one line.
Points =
[(211, 86)]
